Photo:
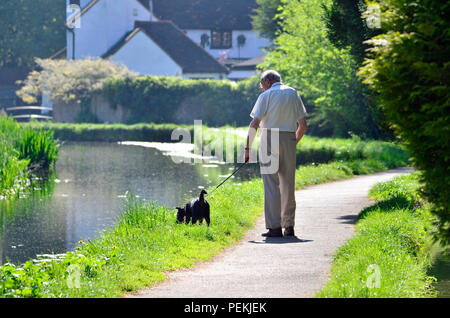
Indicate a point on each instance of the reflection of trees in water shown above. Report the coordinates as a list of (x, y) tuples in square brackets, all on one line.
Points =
[(23, 220)]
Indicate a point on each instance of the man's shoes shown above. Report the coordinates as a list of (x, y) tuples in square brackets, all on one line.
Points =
[(273, 233), (289, 231)]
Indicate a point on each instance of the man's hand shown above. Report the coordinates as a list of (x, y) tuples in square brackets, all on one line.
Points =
[(301, 129), (247, 155)]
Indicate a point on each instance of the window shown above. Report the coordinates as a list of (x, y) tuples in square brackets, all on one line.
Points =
[(221, 39)]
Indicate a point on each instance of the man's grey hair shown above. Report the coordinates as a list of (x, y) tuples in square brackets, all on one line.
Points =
[(271, 75)]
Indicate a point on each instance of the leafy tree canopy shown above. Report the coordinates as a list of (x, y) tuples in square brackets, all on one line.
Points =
[(347, 27), (323, 74), (29, 29), (267, 19)]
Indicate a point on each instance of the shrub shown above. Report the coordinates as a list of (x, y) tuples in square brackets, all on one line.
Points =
[(71, 81), (408, 67)]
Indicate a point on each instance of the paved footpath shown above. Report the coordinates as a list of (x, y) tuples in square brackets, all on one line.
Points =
[(280, 267)]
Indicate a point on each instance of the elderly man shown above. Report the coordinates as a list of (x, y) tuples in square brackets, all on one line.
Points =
[(277, 111)]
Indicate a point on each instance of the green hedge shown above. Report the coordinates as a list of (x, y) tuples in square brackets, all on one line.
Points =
[(109, 132), (408, 68), (162, 99)]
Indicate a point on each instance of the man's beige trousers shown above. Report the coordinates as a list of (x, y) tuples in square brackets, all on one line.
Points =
[(279, 187)]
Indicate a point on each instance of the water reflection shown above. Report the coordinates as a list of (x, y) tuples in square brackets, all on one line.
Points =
[(88, 191)]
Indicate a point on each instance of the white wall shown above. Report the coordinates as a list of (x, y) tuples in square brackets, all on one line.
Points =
[(252, 48), (103, 25), (142, 55)]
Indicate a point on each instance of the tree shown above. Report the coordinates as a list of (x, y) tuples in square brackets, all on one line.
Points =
[(347, 28), (29, 29), (324, 75), (267, 21), (408, 67)]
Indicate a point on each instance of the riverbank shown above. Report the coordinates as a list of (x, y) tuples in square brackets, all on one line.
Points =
[(146, 242), (389, 256), (217, 141)]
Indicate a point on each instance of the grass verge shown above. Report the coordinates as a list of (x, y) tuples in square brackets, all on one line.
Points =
[(390, 254)]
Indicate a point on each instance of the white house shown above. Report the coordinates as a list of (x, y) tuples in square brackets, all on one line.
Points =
[(217, 25), (190, 39)]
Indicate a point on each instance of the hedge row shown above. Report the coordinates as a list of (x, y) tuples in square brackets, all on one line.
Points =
[(110, 132), (408, 67), (161, 99)]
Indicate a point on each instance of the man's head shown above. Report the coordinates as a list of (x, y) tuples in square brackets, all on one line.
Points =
[(268, 78)]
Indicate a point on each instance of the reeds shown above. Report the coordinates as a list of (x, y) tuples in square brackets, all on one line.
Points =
[(23, 150)]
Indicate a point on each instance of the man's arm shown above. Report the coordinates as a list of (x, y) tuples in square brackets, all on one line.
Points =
[(301, 129), (252, 129)]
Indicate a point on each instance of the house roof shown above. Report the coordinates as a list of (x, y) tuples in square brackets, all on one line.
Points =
[(206, 14), (200, 14), (145, 3), (190, 56)]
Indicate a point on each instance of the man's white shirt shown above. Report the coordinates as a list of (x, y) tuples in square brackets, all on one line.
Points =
[(279, 107)]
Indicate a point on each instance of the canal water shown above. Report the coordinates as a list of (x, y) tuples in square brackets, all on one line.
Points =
[(86, 194)]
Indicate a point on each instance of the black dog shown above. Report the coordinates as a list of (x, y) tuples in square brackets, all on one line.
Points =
[(195, 210)]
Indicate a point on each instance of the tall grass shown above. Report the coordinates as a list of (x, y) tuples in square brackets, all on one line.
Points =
[(13, 172), (23, 150), (38, 146), (389, 255)]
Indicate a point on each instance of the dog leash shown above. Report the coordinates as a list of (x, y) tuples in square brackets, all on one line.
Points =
[(228, 178)]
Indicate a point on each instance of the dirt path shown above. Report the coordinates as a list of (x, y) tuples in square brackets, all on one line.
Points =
[(280, 267)]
